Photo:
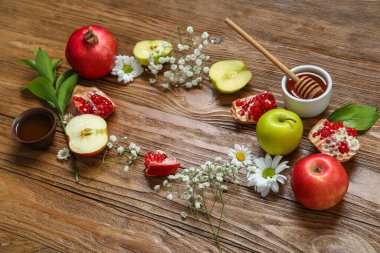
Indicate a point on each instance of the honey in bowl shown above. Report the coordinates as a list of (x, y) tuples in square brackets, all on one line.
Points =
[(317, 78), (34, 127)]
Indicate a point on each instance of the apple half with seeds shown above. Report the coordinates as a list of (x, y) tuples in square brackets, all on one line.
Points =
[(156, 47), (87, 134), (229, 76)]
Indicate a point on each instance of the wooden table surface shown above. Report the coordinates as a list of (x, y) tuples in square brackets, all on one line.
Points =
[(42, 208)]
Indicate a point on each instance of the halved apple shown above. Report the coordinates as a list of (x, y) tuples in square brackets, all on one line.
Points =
[(229, 76), (144, 47), (87, 134)]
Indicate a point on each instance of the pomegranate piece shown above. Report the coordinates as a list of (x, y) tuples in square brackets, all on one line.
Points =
[(248, 110), (334, 139), (91, 100), (158, 164)]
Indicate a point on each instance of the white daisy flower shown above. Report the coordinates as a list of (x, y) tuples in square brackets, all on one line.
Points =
[(120, 150), (63, 154), (109, 145), (126, 68), (67, 118), (241, 156), (113, 138), (126, 168), (170, 196), (197, 205), (157, 187), (265, 175)]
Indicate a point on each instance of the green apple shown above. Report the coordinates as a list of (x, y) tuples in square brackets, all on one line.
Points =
[(229, 76), (156, 47), (279, 131)]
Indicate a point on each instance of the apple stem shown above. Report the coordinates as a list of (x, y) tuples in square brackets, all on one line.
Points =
[(90, 37), (317, 170), (282, 120)]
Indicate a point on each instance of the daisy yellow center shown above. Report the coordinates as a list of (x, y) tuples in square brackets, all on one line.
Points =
[(127, 69), (64, 153), (240, 156), (268, 172)]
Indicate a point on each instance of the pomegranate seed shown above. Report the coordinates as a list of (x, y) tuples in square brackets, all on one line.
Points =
[(241, 113), (239, 102)]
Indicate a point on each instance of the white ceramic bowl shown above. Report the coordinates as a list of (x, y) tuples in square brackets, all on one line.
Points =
[(307, 108)]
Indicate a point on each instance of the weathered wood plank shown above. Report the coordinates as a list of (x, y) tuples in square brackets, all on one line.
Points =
[(120, 212)]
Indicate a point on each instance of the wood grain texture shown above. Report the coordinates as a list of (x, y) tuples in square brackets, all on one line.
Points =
[(42, 209)]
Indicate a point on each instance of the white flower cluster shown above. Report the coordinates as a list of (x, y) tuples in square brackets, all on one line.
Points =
[(212, 176), (130, 151), (187, 69)]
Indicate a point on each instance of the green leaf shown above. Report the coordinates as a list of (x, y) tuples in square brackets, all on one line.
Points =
[(358, 116), (56, 62), (42, 88), (44, 65), (65, 91), (62, 78), (51, 104), (28, 62)]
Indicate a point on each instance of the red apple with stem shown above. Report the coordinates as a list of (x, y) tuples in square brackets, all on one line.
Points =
[(319, 181)]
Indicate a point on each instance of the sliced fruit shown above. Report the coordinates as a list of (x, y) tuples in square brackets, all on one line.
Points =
[(229, 76), (159, 164), (91, 100), (248, 110), (87, 134), (334, 139), (144, 47)]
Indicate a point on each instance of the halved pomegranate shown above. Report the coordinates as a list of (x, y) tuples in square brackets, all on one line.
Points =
[(158, 164), (334, 139), (91, 100), (248, 110)]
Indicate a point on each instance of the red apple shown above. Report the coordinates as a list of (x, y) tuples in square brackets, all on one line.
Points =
[(319, 181)]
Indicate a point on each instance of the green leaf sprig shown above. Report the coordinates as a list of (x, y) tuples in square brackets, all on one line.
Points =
[(358, 116), (55, 91)]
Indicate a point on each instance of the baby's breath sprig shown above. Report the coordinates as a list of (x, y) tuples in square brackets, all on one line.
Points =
[(188, 66), (127, 153), (192, 185)]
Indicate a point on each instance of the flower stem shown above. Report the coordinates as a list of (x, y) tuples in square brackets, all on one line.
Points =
[(74, 162), (179, 34)]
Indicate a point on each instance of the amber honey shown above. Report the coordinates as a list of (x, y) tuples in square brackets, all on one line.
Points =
[(317, 78), (34, 127)]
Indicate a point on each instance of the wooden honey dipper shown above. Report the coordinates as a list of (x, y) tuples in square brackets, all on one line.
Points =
[(305, 86)]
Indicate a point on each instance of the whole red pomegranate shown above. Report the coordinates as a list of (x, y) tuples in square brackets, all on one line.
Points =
[(91, 51)]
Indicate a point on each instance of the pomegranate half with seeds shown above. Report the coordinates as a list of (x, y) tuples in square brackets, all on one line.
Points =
[(334, 139), (158, 164), (248, 110), (91, 100)]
